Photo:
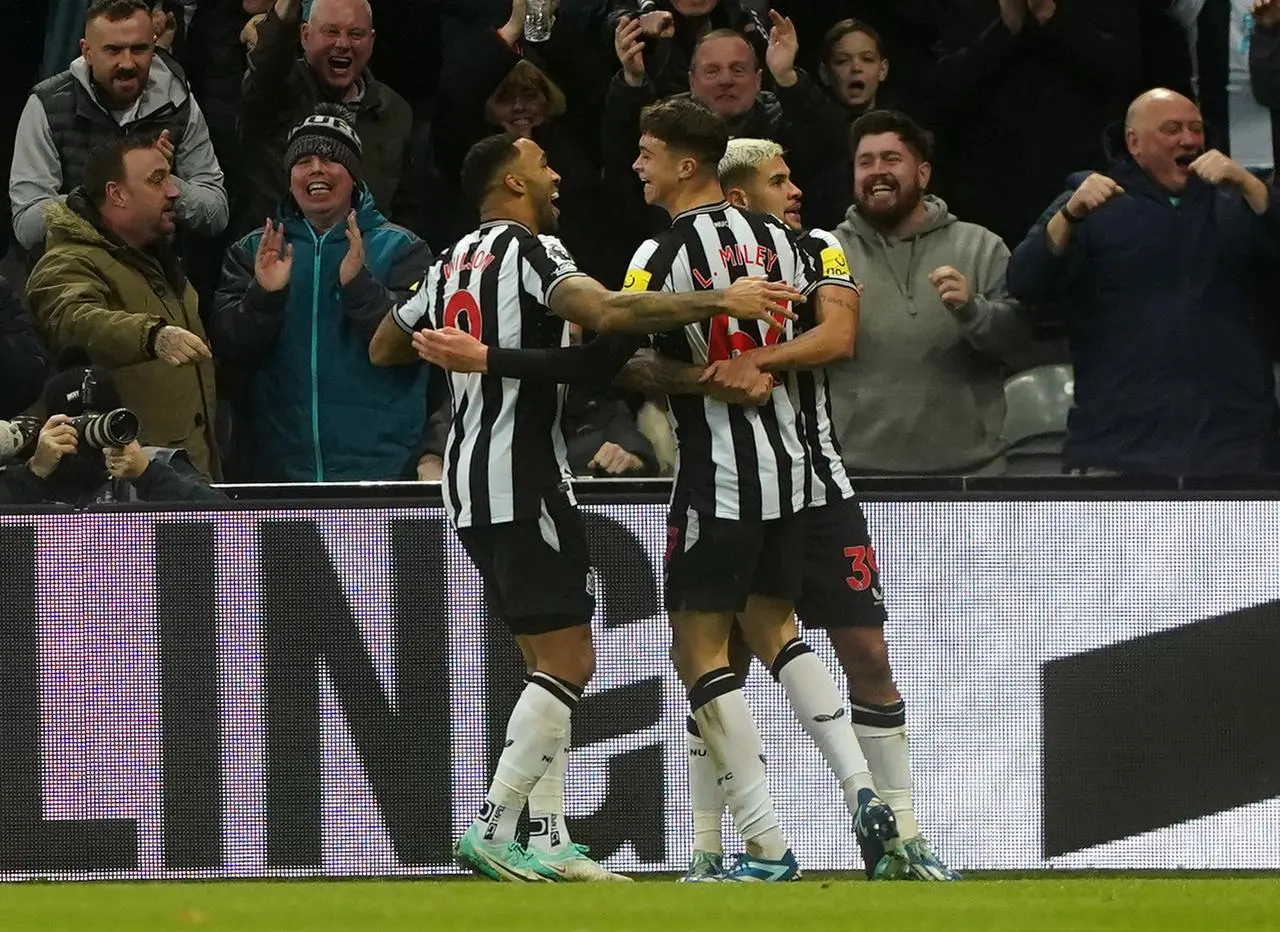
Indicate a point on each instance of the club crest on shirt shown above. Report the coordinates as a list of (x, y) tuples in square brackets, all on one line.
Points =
[(558, 255)]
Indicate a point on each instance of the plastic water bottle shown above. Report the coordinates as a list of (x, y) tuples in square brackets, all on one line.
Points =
[(539, 16)]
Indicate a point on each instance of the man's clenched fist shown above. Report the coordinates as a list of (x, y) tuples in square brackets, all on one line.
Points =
[(1093, 192)]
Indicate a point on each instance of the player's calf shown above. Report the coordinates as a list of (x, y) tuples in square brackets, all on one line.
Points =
[(769, 627)]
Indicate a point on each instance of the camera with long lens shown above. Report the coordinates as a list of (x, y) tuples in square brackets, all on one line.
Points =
[(116, 428)]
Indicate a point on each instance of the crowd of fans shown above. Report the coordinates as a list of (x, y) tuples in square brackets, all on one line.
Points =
[(214, 202)]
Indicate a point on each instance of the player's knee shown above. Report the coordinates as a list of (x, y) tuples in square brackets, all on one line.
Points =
[(583, 659), (683, 657), (864, 655), (695, 657), (568, 654), (767, 641)]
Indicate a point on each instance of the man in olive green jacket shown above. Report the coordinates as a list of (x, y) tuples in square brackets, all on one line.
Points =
[(109, 286)]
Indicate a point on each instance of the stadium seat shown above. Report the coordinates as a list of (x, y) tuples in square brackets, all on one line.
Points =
[(1035, 424)]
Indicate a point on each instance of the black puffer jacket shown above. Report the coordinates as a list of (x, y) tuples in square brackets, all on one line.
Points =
[(23, 364)]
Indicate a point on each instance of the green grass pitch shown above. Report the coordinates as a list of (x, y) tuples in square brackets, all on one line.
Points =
[(1024, 905)]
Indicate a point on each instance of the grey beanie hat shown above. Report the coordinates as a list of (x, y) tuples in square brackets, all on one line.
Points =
[(329, 134)]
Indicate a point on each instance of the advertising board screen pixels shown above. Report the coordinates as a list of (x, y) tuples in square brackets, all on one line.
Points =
[(320, 692)]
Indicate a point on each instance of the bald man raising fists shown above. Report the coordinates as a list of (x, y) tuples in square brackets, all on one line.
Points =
[(1161, 266)]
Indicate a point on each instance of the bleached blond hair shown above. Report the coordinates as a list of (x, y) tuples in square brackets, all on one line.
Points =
[(743, 159)]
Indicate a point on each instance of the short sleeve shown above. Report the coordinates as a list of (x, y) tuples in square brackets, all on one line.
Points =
[(823, 262), (410, 315), (544, 264), (652, 269), (647, 271)]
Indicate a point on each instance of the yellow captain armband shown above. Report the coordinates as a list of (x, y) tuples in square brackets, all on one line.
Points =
[(834, 264), (637, 280)]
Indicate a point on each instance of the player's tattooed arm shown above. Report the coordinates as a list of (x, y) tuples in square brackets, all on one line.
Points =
[(585, 301), (651, 374), (836, 312)]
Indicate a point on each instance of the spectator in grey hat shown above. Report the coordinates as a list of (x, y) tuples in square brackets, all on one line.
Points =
[(299, 302)]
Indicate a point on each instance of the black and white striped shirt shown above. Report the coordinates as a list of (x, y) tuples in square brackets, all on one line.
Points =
[(739, 463), (505, 456), (827, 481)]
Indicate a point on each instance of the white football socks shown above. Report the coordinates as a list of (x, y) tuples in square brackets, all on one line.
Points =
[(548, 830), (537, 730), (882, 730), (820, 708), (725, 722), (706, 796)]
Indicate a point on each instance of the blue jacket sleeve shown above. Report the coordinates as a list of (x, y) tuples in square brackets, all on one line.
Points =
[(1036, 276), (1267, 225), (246, 319), (366, 301)]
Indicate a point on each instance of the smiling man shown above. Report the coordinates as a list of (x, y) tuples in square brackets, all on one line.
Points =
[(673, 29), (280, 90), (1164, 265), (724, 76), (299, 302), (937, 325), (853, 70), (118, 86)]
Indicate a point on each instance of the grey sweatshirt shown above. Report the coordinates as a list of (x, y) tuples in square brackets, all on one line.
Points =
[(925, 391), (36, 177)]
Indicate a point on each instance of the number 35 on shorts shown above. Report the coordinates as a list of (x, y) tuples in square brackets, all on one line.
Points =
[(862, 565)]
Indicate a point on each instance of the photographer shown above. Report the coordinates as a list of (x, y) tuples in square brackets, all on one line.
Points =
[(74, 464)]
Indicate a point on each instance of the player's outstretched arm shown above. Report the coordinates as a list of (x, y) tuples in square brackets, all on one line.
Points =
[(594, 363), (609, 357), (585, 301)]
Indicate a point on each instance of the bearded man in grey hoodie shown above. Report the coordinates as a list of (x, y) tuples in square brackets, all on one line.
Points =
[(938, 331)]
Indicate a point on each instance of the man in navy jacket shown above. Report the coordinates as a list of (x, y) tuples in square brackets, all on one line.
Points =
[(1161, 266)]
